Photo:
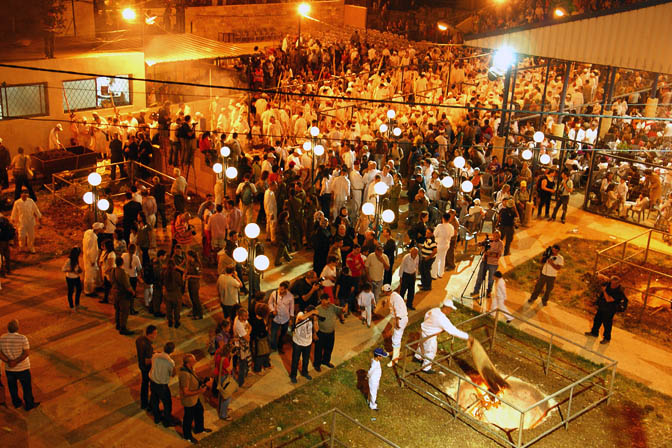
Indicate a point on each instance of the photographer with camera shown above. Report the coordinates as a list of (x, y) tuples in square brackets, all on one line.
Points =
[(612, 300), (305, 290), (492, 251), (551, 263), (191, 389)]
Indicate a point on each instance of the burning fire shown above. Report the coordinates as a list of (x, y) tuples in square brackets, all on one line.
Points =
[(483, 401)]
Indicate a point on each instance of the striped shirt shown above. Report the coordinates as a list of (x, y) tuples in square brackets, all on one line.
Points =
[(428, 247), (12, 345)]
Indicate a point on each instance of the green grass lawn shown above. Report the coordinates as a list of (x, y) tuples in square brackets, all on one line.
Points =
[(636, 416)]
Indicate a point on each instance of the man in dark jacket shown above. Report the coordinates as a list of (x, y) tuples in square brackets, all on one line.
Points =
[(121, 293), (611, 296), (131, 210), (5, 161), (117, 156)]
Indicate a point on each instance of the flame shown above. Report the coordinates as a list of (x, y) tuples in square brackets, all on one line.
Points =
[(484, 400)]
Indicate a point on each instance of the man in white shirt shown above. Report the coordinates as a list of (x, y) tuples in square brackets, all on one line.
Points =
[(271, 210), (443, 233), (281, 304), (163, 369), (25, 216), (399, 319), (356, 186), (14, 352), (373, 376), (304, 331), (549, 271), (436, 321), (340, 190), (409, 272), (499, 300)]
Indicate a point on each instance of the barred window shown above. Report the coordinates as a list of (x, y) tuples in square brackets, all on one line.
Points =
[(96, 93), (29, 100)]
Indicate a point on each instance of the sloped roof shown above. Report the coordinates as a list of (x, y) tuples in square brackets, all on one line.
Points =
[(189, 47)]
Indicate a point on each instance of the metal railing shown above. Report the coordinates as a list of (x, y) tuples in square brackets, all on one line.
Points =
[(599, 379), (623, 261), (326, 428)]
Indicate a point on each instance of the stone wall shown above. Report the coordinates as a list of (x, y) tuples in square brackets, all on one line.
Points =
[(209, 21)]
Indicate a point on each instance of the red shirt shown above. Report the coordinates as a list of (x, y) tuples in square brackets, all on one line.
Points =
[(355, 263)]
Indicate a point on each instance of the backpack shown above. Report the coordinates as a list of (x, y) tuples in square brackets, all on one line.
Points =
[(7, 230), (246, 194)]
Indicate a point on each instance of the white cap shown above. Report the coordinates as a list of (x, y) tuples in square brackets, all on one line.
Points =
[(386, 288), (449, 303)]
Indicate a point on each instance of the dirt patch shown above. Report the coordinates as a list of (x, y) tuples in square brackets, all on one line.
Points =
[(577, 292)]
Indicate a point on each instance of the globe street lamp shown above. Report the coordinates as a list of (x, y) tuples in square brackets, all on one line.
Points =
[(376, 210), (259, 262), (90, 198)]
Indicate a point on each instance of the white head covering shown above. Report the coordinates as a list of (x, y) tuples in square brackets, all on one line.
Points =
[(449, 303)]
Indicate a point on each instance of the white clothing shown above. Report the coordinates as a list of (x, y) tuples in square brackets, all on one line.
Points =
[(373, 375), (398, 310), (12, 345), (549, 270), (499, 299), (409, 265), (271, 209), (367, 301), (442, 234), (436, 322), (55, 139), (131, 266), (24, 216), (303, 331), (90, 261)]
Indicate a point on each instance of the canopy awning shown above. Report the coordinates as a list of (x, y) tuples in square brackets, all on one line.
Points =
[(188, 47)]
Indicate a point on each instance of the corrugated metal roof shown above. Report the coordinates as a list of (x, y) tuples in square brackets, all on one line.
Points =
[(189, 47), (638, 39)]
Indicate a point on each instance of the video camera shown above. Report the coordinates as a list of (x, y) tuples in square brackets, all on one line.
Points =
[(547, 255), (485, 244)]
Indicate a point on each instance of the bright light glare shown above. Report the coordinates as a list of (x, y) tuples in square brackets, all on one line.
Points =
[(94, 179), (128, 14), (559, 12), (319, 150), (467, 186), (240, 254), (380, 188), (103, 205), (217, 168), (503, 58), (261, 262), (447, 182), (527, 154), (368, 209), (150, 20), (252, 230), (545, 159), (304, 9), (442, 26), (88, 197), (307, 146), (388, 216), (396, 132), (383, 128), (391, 114), (225, 151), (459, 162), (231, 172), (538, 136), (314, 131)]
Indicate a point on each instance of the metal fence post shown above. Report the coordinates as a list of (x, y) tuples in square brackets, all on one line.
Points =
[(548, 357), (648, 244), (494, 329), (520, 430), (569, 408), (132, 172), (333, 429), (646, 298), (625, 245)]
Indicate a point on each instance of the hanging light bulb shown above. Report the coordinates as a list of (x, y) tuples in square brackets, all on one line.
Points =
[(380, 188), (217, 168), (252, 230), (319, 150), (225, 151), (94, 179), (545, 159), (447, 182), (467, 186), (383, 128), (388, 216), (231, 172), (261, 262), (103, 205), (391, 114), (314, 131), (538, 137), (459, 162), (307, 146), (396, 132), (527, 154), (240, 254), (368, 209), (88, 197)]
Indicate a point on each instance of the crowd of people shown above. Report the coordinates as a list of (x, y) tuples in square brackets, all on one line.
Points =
[(308, 160)]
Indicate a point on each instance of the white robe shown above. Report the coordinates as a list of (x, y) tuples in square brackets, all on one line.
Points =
[(373, 376), (25, 215), (90, 261)]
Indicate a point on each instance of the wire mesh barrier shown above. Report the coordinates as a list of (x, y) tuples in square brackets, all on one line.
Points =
[(639, 261), (329, 429), (545, 391), (28, 100)]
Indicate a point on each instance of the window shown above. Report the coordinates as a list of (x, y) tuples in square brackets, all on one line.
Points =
[(23, 101), (96, 93)]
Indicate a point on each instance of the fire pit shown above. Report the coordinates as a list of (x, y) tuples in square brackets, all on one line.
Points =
[(494, 410), (524, 411)]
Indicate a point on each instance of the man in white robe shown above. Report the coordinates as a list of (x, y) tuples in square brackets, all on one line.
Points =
[(25, 216), (90, 258)]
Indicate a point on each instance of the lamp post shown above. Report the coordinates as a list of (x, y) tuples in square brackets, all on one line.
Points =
[(254, 262), (376, 210), (304, 9), (316, 150), (91, 197), (222, 168)]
